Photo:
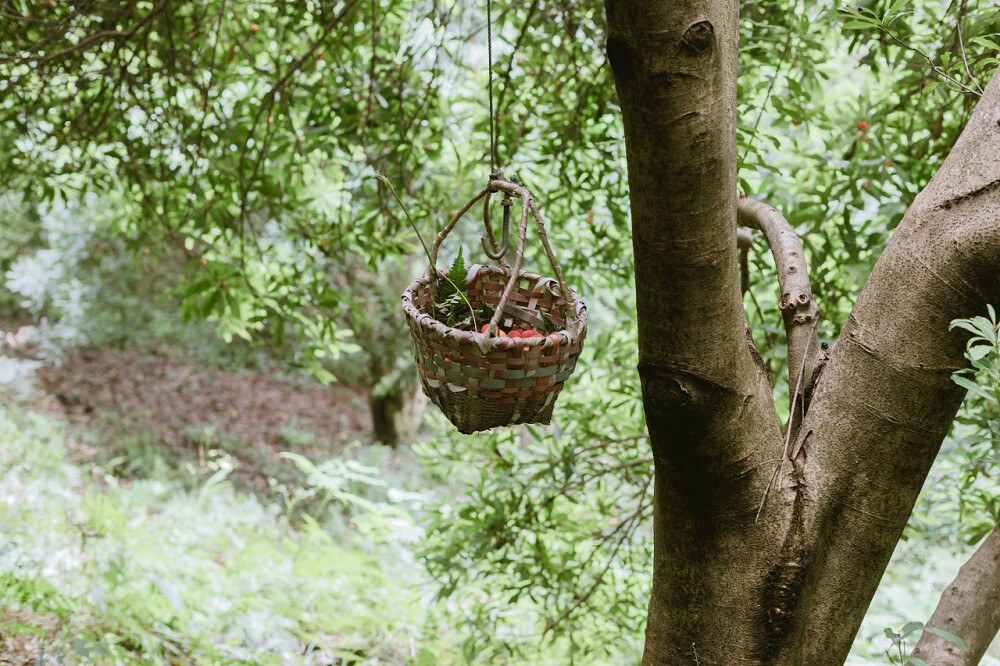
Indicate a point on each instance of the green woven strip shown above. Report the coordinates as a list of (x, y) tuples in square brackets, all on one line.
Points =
[(455, 377), (562, 376), (493, 384), (545, 372)]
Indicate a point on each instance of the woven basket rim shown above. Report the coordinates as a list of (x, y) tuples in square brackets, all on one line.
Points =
[(578, 311)]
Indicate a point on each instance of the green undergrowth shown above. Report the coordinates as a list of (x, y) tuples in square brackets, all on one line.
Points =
[(100, 570)]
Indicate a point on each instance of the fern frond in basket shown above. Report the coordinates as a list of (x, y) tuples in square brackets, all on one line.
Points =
[(452, 305), (451, 302)]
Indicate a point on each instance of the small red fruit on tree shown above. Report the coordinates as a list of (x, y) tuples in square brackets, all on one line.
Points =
[(862, 125), (254, 27)]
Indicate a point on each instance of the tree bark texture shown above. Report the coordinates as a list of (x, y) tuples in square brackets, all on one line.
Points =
[(791, 587), (969, 608)]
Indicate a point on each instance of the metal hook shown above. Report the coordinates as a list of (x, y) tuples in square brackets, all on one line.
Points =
[(504, 245)]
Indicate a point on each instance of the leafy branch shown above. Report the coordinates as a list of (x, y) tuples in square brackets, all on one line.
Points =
[(863, 18)]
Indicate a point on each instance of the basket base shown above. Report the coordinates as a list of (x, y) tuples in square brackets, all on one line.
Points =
[(471, 414)]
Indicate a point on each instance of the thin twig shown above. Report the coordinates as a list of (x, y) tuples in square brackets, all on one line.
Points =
[(937, 70), (629, 524), (965, 59)]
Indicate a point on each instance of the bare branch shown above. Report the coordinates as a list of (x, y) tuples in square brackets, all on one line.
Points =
[(965, 59), (798, 307), (969, 608), (86, 43), (950, 81)]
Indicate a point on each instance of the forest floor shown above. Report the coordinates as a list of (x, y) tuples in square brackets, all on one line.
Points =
[(150, 514), (190, 409)]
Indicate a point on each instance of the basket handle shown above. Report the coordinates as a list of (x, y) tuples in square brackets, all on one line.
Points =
[(491, 247), (527, 204)]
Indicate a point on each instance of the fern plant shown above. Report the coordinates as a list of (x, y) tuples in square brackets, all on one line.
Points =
[(452, 305)]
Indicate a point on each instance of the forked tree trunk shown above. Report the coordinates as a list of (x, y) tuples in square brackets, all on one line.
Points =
[(792, 587)]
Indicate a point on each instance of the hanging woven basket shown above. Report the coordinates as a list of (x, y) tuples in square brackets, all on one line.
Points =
[(482, 381)]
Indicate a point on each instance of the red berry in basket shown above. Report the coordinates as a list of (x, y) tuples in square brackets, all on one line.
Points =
[(531, 334), (515, 334), (485, 328)]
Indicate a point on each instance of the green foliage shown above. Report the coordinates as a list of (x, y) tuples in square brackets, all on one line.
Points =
[(983, 353), (976, 493), (962, 496), (150, 573), (242, 157), (551, 540)]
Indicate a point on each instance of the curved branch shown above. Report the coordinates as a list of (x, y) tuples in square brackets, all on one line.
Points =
[(798, 307), (969, 608)]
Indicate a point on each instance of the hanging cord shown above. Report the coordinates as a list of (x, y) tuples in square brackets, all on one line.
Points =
[(494, 171)]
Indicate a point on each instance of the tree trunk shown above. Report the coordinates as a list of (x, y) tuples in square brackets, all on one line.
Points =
[(792, 585), (387, 413), (969, 608)]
